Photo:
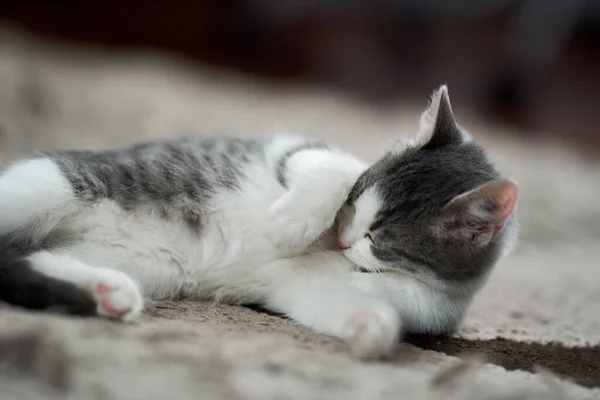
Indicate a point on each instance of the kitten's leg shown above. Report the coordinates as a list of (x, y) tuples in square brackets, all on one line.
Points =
[(117, 296), (34, 197), (327, 302), (319, 181)]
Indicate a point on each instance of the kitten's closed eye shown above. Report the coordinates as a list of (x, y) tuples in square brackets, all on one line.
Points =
[(369, 237)]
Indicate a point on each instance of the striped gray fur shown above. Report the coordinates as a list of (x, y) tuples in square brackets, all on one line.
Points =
[(193, 167), (182, 173)]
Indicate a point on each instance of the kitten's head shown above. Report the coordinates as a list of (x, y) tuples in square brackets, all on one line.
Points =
[(436, 209)]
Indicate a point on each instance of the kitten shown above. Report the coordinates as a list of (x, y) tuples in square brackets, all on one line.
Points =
[(249, 222)]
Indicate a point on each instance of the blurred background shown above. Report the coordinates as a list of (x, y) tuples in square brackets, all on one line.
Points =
[(533, 64)]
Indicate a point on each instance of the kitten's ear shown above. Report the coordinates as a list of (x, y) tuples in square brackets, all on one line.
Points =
[(437, 125), (480, 214)]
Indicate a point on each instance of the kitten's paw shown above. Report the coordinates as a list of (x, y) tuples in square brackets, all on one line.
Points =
[(294, 229), (117, 296), (373, 333)]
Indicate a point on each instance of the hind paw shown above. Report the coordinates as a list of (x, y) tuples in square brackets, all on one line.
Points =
[(117, 296)]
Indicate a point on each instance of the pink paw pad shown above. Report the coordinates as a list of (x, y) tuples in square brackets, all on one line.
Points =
[(102, 288), (103, 292)]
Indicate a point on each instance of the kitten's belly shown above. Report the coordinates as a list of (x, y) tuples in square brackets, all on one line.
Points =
[(169, 258)]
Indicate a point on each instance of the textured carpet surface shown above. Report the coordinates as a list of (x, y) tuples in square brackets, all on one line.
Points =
[(532, 332)]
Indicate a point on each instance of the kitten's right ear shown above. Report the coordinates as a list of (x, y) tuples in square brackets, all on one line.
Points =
[(438, 127), (480, 214)]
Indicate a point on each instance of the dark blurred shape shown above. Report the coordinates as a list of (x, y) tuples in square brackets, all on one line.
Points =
[(510, 91), (532, 63), (576, 363)]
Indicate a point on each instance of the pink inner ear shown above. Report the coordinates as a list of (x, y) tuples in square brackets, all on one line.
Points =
[(506, 199)]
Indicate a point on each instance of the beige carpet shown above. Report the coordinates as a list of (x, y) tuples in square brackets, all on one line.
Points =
[(548, 291)]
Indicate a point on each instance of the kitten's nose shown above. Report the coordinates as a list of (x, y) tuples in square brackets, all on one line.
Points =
[(341, 245)]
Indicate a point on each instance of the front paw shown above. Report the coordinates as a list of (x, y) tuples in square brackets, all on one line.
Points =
[(293, 230), (373, 333)]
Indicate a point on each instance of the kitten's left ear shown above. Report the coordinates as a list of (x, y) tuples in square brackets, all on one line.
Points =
[(480, 214), (438, 127)]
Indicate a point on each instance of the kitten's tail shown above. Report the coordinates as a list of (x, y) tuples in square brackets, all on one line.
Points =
[(21, 285)]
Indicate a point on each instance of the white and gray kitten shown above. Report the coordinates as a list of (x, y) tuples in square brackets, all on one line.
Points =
[(246, 222)]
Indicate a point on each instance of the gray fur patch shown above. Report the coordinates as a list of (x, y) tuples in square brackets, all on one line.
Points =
[(180, 174)]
